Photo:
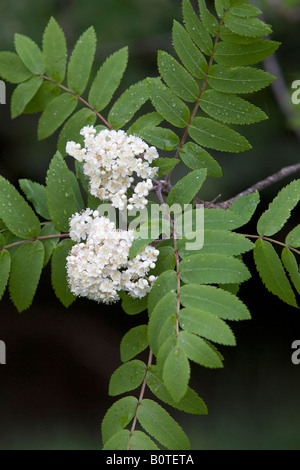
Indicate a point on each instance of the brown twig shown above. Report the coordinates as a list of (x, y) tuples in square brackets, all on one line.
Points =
[(283, 173), (79, 98), (141, 396), (44, 237)]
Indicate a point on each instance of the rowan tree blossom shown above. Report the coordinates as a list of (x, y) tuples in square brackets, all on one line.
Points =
[(111, 159), (98, 266)]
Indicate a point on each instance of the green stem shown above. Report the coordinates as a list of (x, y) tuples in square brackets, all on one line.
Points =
[(194, 112), (159, 190), (177, 260), (168, 176)]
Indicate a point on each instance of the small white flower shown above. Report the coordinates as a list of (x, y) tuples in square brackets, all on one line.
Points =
[(111, 158), (100, 267)]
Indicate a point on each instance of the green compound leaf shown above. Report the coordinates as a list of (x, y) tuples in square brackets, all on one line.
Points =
[(221, 6), (197, 158), (166, 103), (196, 29), (54, 51), (166, 260), (147, 121), (146, 233), (36, 194), (92, 202), (187, 52), (164, 284), (55, 113), (159, 424), (293, 238), (232, 288), (244, 207), (119, 441), (17, 215), (214, 135), (46, 93), (249, 27), (238, 79), (164, 165), (177, 78), (77, 192), (215, 241), (187, 188), (51, 243), (2, 237), (118, 416), (279, 210), (140, 441), (215, 301), (29, 53), (209, 21), (213, 269), (176, 374), (59, 274), (26, 267), (244, 54), (12, 68), (128, 104), (161, 138), (5, 263), (220, 219), (168, 329), (165, 308), (23, 94), (170, 341), (290, 263), (272, 273), (133, 306), (244, 10), (190, 403), (229, 108), (198, 350), (108, 79), (127, 377), (81, 61), (72, 127), (134, 342), (61, 200), (207, 325), (124, 440), (228, 36), (214, 219)]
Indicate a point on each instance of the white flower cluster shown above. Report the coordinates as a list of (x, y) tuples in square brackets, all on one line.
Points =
[(110, 160), (100, 267)]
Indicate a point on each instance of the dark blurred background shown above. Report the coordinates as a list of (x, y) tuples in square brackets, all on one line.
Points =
[(53, 390)]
